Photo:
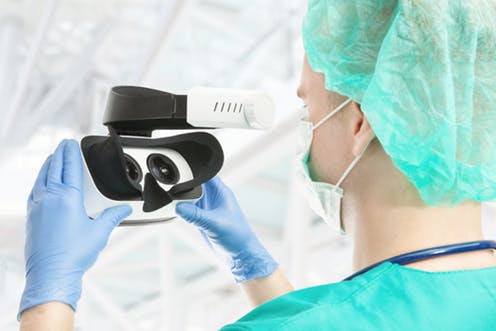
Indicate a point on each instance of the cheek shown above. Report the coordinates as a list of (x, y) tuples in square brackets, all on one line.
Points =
[(328, 154)]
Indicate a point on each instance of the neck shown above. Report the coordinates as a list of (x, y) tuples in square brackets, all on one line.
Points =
[(390, 219), (380, 235)]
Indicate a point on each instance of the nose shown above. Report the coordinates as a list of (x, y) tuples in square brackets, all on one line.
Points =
[(299, 92)]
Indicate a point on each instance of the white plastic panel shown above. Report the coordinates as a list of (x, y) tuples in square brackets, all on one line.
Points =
[(230, 108)]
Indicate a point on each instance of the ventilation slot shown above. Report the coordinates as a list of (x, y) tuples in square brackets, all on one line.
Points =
[(231, 107)]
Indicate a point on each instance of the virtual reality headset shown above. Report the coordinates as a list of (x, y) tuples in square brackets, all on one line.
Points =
[(128, 166)]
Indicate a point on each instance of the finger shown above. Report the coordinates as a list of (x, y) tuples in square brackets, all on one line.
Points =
[(212, 194), (72, 173), (202, 202), (56, 165), (217, 185), (214, 183), (113, 216), (192, 214), (41, 180)]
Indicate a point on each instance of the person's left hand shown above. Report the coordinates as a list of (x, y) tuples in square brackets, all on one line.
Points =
[(62, 242), (222, 223)]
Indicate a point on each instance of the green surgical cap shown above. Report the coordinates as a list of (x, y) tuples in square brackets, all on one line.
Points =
[(424, 72)]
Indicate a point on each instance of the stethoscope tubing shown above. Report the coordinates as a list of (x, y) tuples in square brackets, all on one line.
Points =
[(429, 253)]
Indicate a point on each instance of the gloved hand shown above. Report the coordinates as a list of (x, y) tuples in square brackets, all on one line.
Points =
[(62, 242), (222, 223)]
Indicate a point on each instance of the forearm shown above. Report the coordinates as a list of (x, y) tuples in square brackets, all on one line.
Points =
[(260, 290), (50, 316)]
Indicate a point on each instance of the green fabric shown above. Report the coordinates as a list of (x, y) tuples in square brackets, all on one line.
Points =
[(424, 73), (388, 297)]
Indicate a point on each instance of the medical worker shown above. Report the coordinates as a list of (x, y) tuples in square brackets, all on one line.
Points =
[(398, 149)]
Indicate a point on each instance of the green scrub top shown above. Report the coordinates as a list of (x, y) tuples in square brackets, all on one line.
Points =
[(388, 297)]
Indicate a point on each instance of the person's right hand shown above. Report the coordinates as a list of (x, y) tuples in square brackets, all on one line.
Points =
[(62, 242), (219, 218)]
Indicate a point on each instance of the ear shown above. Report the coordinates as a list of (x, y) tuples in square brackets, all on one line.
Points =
[(362, 131)]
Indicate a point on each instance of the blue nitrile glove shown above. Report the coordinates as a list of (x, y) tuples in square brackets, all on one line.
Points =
[(62, 242), (220, 220)]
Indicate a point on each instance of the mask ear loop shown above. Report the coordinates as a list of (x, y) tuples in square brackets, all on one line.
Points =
[(352, 165), (346, 173), (331, 114)]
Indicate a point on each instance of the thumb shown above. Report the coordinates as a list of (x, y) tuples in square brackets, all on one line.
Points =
[(191, 213), (111, 217)]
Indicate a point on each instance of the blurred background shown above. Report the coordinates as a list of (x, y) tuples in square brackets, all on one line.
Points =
[(58, 60)]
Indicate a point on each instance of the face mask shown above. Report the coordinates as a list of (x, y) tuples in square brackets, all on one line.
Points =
[(324, 198)]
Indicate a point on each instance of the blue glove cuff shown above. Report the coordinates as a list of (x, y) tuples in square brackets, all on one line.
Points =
[(38, 293), (247, 266)]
